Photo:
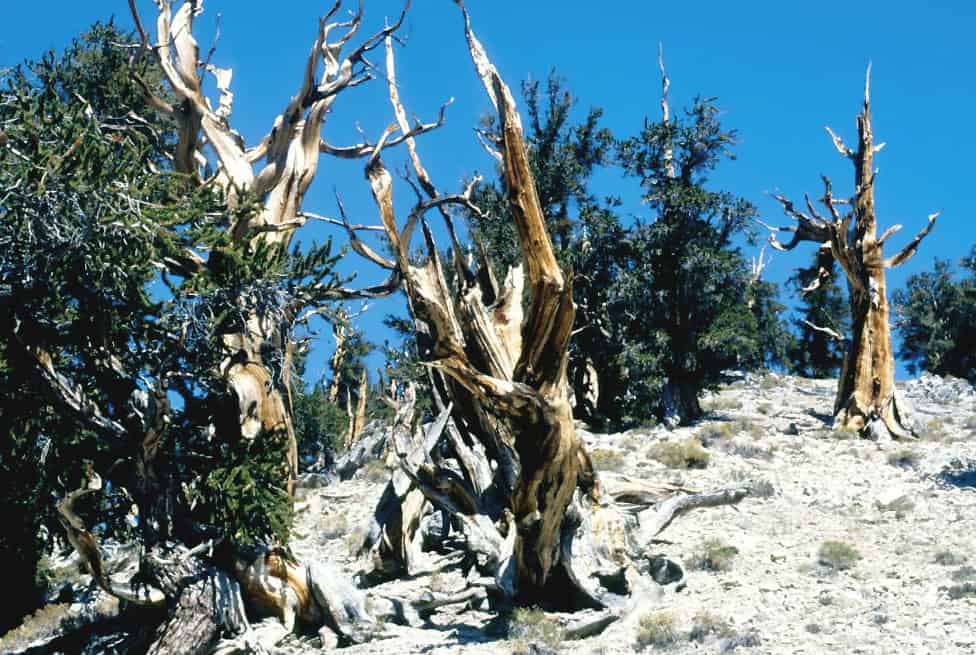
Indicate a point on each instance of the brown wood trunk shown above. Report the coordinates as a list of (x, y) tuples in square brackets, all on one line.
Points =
[(548, 478), (866, 386)]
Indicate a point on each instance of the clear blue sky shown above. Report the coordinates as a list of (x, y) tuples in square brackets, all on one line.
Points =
[(781, 71)]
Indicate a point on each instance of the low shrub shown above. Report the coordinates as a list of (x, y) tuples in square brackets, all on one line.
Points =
[(530, 628), (837, 555), (705, 624), (657, 630), (680, 454), (713, 555)]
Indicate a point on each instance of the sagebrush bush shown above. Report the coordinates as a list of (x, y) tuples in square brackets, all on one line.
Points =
[(680, 454), (837, 555), (657, 629), (607, 459), (705, 624), (904, 458), (529, 627), (949, 558), (712, 555), (719, 403)]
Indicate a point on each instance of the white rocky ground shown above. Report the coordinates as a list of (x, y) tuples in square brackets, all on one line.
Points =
[(891, 502), (911, 589)]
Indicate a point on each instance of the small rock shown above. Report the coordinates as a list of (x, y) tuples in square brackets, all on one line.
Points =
[(330, 640), (894, 500)]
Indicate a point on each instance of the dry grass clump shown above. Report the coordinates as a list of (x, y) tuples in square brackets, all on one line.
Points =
[(949, 558), (680, 454), (935, 430), (750, 451), (705, 624), (533, 632), (374, 471), (837, 555), (657, 630), (905, 458), (607, 459), (337, 525), (725, 431), (839, 434), (758, 487), (749, 639), (720, 404), (769, 382), (712, 555)]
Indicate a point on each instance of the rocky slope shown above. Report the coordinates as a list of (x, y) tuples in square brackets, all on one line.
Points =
[(844, 546), (897, 573)]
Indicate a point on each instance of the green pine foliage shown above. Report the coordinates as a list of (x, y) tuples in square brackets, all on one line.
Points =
[(936, 314), (816, 354), (684, 293), (94, 230), (319, 426)]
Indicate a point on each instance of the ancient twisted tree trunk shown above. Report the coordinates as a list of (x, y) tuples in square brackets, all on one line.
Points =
[(505, 376), (865, 400)]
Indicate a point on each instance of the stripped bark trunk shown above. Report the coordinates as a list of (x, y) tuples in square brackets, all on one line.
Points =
[(508, 385), (357, 416), (865, 401)]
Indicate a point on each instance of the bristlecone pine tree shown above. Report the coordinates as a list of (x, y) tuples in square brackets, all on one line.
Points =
[(865, 401), (511, 474)]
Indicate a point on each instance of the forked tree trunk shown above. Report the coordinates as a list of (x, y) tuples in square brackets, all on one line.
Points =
[(865, 401), (505, 377)]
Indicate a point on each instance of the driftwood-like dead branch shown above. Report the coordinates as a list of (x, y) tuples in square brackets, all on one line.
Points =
[(654, 522), (85, 545), (908, 251), (830, 332)]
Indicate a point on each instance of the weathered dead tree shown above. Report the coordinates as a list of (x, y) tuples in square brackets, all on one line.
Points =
[(517, 482), (277, 171), (865, 400)]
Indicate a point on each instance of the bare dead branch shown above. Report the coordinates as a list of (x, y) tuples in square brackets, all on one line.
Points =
[(87, 547), (71, 396), (887, 233), (342, 223), (833, 334), (366, 149), (672, 508), (839, 144), (906, 253), (807, 228), (665, 111)]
